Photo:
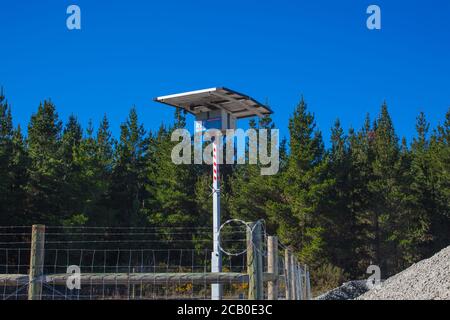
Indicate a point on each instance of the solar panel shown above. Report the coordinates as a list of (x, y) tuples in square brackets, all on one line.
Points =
[(209, 100)]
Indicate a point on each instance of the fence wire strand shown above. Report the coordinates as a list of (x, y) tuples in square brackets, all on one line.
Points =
[(116, 251), (133, 263)]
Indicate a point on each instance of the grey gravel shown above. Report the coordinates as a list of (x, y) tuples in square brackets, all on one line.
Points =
[(348, 291), (426, 280)]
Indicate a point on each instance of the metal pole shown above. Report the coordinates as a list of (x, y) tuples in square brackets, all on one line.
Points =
[(216, 259)]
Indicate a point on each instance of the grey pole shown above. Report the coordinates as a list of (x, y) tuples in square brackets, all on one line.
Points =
[(216, 259)]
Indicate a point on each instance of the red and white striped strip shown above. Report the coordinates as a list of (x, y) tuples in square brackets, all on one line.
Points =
[(215, 168)]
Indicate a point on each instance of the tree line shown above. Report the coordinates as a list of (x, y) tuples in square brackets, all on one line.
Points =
[(370, 198)]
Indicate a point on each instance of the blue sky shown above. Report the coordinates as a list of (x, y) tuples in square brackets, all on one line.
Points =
[(131, 51)]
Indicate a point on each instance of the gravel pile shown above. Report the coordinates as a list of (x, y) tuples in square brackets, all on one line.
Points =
[(348, 291), (426, 280)]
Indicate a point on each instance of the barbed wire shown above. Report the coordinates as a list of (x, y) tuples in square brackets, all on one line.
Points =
[(129, 228), (115, 250), (113, 254)]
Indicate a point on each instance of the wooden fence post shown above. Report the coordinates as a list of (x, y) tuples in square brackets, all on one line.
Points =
[(272, 267), (254, 262), (36, 262), (293, 277), (287, 273), (308, 284), (301, 295), (133, 287)]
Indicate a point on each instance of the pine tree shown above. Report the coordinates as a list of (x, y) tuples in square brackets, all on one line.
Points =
[(253, 195), (305, 182), (341, 226), (129, 172), (420, 192), (105, 145), (7, 180), (171, 187), (71, 193), (19, 174), (440, 160), (366, 200), (94, 157), (47, 166), (386, 194)]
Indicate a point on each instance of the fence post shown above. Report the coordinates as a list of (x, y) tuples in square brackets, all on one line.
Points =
[(254, 262), (301, 295), (307, 284), (293, 278), (36, 262), (272, 267), (297, 282), (133, 287), (287, 272)]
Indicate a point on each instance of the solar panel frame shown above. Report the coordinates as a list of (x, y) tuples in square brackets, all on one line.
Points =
[(196, 102)]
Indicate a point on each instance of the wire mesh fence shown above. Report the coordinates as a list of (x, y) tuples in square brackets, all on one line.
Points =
[(135, 263)]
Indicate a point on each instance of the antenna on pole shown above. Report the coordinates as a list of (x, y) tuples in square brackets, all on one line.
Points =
[(216, 108)]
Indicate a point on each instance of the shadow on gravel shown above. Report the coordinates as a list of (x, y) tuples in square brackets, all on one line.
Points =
[(348, 291)]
